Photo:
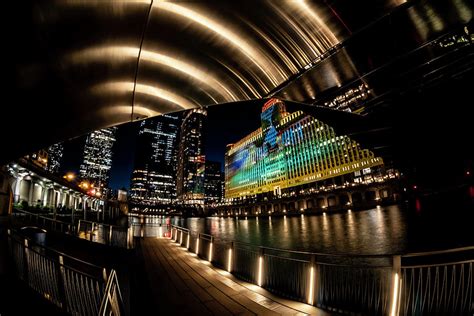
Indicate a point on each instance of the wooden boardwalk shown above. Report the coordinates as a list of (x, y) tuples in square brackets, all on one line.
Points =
[(182, 284)]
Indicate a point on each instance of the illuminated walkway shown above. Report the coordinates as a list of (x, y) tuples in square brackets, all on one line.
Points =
[(181, 283)]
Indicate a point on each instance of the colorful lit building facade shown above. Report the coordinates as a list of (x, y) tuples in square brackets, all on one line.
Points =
[(289, 150)]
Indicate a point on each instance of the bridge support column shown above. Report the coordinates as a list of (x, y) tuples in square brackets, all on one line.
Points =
[(31, 190), (16, 189), (44, 195)]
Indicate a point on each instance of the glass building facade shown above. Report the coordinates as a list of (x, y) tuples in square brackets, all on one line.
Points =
[(97, 159), (213, 182), (191, 158), (288, 150), (55, 155), (154, 175)]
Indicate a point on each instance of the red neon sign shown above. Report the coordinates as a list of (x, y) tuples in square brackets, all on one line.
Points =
[(269, 103)]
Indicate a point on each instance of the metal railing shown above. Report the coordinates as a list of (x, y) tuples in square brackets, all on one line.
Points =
[(107, 234), (111, 304), (45, 222), (75, 286), (441, 285), (347, 284), (112, 235)]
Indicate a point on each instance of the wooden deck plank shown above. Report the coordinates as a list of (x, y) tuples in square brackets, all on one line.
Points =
[(182, 283)]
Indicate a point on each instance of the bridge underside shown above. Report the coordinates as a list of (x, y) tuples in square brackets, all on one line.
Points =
[(77, 66)]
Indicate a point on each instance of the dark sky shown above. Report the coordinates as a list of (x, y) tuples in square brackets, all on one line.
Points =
[(229, 123)]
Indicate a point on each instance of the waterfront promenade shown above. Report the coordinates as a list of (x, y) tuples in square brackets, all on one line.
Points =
[(182, 284)]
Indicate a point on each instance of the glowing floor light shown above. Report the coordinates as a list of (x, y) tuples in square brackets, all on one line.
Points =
[(181, 238), (197, 245), (229, 261), (260, 267), (311, 286), (396, 289), (187, 242), (210, 252)]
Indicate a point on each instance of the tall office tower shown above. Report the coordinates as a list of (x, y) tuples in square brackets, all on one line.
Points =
[(55, 155), (97, 155), (213, 182), (154, 174), (290, 150), (191, 158)]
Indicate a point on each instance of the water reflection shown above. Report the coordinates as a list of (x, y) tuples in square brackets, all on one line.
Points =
[(382, 230)]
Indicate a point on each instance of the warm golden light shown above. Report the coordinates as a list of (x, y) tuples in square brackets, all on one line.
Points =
[(260, 268), (70, 176), (229, 261), (253, 55), (197, 245), (210, 252), (311, 286), (154, 91), (187, 242), (394, 309), (118, 53)]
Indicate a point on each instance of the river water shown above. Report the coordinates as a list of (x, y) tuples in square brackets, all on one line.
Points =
[(419, 226)]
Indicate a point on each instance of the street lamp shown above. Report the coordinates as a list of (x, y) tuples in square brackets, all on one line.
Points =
[(69, 176)]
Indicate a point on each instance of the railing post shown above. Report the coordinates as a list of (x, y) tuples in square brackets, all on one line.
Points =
[(180, 237), (396, 286), (311, 281), (104, 275), (187, 242), (60, 276), (128, 237), (25, 261), (229, 258), (110, 234), (210, 249), (260, 267), (92, 230), (78, 227), (197, 244)]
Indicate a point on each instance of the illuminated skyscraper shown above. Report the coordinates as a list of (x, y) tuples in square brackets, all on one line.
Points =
[(191, 158), (55, 155), (289, 150), (213, 182), (154, 174), (97, 157)]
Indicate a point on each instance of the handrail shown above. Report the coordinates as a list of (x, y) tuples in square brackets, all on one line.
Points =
[(288, 250), (112, 302), (59, 253), (104, 224), (437, 252), (309, 253), (75, 289)]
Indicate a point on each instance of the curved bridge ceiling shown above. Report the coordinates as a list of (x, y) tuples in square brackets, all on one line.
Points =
[(80, 65)]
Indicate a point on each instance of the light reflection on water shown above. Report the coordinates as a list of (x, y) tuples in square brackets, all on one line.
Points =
[(372, 231), (382, 230)]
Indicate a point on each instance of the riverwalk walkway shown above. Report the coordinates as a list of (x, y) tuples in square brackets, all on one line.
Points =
[(180, 283)]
